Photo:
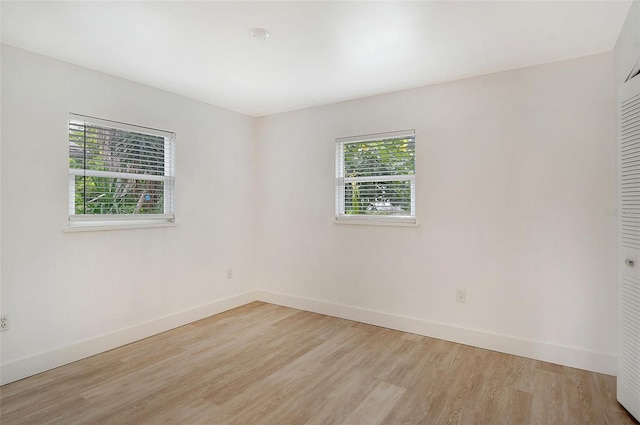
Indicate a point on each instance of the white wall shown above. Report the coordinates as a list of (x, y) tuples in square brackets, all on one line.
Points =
[(91, 291), (627, 49), (515, 173)]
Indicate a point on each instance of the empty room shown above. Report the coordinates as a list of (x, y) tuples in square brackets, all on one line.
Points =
[(320, 212)]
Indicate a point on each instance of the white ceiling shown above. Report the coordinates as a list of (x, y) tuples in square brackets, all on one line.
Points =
[(318, 52)]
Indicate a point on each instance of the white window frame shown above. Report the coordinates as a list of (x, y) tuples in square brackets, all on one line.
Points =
[(340, 216), (80, 222)]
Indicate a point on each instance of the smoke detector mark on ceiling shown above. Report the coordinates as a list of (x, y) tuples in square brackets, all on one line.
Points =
[(259, 33)]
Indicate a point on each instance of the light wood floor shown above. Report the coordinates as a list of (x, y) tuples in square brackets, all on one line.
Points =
[(266, 364)]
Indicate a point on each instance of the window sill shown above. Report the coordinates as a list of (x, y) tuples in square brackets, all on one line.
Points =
[(376, 223), (99, 228)]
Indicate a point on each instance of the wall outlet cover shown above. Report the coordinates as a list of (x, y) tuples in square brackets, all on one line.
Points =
[(4, 323)]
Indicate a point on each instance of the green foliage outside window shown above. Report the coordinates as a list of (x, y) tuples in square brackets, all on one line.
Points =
[(384, 158), (111, 150)]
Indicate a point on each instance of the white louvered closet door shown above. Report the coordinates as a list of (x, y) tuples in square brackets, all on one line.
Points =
[(629, 248)]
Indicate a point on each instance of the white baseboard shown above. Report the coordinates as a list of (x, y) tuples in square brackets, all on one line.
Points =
[(27, 366), (538, 350)]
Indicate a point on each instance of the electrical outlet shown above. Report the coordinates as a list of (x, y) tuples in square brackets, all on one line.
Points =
[(461, 295), (4, 323), (229, 273)]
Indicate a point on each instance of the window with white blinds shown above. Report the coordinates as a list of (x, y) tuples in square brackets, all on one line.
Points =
[(119, 174), (375, 178)]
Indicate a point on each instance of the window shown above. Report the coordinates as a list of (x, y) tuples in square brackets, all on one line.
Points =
[(375, 178), (119, 174)]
